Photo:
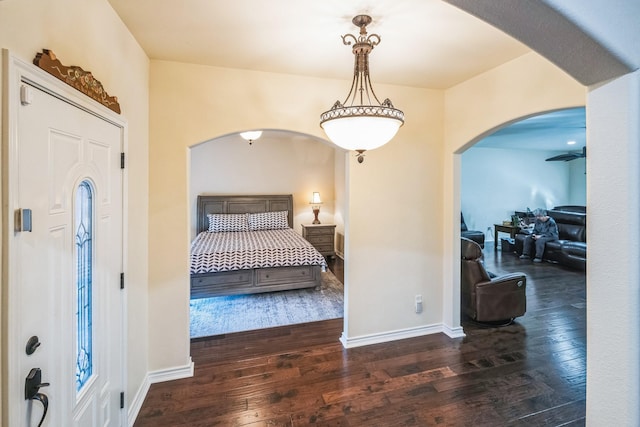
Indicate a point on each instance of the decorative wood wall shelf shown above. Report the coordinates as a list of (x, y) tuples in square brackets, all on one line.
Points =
[(77, 78)]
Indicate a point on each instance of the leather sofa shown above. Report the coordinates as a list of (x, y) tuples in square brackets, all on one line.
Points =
[(485, 299), (571, 248), (475, 235)]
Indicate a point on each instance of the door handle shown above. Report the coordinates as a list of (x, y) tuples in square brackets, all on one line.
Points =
[(32, 385), (42, 398)]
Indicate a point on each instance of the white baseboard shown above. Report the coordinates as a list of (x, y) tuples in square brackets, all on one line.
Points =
[(176, 373), (162, 375), (138, 400), (391, 335), (457, 332)]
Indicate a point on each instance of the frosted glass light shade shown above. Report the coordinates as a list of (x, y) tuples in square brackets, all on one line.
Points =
[(361, 133)]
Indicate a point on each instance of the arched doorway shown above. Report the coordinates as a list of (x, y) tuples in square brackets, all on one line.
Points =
[(516, 174), (604, 57), (278, 162)]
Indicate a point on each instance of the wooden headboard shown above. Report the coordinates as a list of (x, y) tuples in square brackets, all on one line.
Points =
[(242, 204)]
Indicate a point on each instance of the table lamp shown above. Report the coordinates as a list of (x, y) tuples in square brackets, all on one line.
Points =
[(315, 206)]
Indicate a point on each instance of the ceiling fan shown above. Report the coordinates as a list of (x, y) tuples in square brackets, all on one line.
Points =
[(568, 156)]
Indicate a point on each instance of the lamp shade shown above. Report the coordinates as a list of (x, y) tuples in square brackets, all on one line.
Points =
[(361, 133), (315, 198)]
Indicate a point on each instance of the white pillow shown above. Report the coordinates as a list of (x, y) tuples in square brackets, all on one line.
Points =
[(227, 222), (268, 221)]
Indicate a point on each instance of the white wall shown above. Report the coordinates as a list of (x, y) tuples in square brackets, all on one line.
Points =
[(495, 182), (277, 163), (613, 231), (577, 182)]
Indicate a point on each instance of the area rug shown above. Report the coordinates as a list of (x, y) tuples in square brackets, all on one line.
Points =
[(223, 315)]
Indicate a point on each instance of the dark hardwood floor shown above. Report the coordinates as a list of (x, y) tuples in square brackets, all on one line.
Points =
[(531, 373)]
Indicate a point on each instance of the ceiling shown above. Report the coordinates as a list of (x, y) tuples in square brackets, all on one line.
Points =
[(549, 132), (425, 43)]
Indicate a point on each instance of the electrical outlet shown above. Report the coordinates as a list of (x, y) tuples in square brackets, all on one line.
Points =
[(418, 303)]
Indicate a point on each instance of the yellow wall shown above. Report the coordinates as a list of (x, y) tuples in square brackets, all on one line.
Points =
[(398, 206), (89, 34), (191, 104), (523, 87), (387, 194), (394, 246)]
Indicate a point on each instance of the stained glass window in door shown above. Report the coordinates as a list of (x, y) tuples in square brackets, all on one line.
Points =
[(83, 223)]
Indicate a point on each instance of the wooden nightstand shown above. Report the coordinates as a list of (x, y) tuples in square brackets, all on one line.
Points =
[(322, 237)]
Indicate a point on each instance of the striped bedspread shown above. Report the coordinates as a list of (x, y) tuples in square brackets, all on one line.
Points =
[(216, 252)]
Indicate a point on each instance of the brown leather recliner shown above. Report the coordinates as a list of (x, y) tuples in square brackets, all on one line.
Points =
[(486, 299), (475, 235)]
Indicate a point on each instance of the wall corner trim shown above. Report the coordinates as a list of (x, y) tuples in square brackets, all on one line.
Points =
[(138, 400), (159, 376), (456, 332), (170, 374)]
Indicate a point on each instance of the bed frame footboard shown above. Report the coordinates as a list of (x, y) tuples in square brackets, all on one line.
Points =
[(254, 281)]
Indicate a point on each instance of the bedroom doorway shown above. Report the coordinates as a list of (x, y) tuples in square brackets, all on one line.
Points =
[(279, 162)]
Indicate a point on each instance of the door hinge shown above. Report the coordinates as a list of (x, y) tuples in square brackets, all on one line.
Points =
[(122, 400), (121, 280), (121, 160)]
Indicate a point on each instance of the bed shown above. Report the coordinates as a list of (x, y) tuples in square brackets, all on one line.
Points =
[(231, 257)]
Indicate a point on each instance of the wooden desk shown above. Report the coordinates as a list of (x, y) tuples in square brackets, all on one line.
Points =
[(499, 228)]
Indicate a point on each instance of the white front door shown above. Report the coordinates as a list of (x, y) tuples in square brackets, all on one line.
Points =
[(65, 272)]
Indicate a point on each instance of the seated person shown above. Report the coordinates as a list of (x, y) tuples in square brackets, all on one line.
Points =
[(544, 230)]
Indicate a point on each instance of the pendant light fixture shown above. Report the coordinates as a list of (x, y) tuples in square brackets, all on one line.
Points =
[(361, 122)]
